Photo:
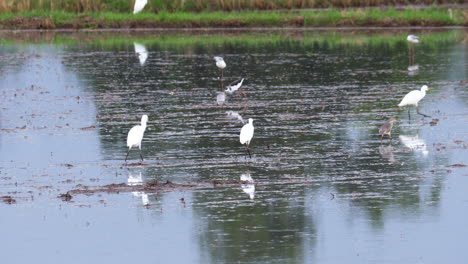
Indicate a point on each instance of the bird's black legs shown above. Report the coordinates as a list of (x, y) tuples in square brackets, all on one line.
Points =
[(248, 151), (222, 78), (409, 116), (127, 154), (141, 156), (417, 111)]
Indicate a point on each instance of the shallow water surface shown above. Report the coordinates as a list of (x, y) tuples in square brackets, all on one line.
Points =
[(320, 187)]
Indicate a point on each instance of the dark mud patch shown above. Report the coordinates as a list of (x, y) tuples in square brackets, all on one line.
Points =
[(8, 199), (150, 187), (457, 166), (66, 197), (88, 128), (168, 186)]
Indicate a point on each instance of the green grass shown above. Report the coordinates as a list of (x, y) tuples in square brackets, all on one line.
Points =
[(180, 41), (330, 17)]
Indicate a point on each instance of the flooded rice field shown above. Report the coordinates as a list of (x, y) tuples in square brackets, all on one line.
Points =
[(321, 186)]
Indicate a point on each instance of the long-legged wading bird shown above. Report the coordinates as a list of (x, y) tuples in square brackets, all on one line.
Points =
[(135, 136), (412, 98), (220, 64), (386, 128), (246, 135), (139, 5), (234, 86)]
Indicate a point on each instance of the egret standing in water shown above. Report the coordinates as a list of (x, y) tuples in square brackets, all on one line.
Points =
[(246, 135), (386, 128), (221, 65), (135, 136), (412, 98), (139, 5)]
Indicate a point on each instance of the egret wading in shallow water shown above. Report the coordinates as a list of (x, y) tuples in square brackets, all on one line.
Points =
[(236, 86), (221, 65), (139, 5), (135, 136), (386, 128), (412, 98), (246, 135)]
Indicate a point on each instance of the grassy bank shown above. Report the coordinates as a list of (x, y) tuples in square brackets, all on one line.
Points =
[(125, 6), (326, 18)]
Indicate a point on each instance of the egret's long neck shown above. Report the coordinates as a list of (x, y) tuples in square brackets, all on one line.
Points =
[(423, 91), (143, 125)]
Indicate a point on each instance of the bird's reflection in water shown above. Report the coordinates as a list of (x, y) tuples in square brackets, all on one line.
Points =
[(221, 98), (413, 69), (235, 115), (387, 153), (248, 187), (134, 178), (415, 143), (141, 51)]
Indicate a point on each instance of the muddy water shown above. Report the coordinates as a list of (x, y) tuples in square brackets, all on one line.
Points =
[(323, 187)]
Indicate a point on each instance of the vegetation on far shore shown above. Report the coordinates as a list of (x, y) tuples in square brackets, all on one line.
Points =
[(155, 6), (40, 17)]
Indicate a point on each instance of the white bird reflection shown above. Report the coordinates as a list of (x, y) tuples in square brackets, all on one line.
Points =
[(136, 179), (387, 153), (221, 98), (249, 187), (414, 143), (141, 51), (235, 115), (413, 69)]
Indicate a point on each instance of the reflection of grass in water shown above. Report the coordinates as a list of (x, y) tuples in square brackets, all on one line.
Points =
[(304, 39), (172, 40)]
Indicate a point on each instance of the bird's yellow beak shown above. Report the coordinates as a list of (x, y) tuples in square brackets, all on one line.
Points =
[(429, 89)]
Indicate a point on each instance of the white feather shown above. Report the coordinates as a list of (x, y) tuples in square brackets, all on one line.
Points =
[(247, 133), (135, 135), (413, 97), (139, 5)]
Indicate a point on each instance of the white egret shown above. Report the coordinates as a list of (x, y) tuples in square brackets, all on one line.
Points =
[(142, 53), (248, 187), (386, 128), (412, 98), (246, 135), (220, 64), (139, 5), (135, 136)]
